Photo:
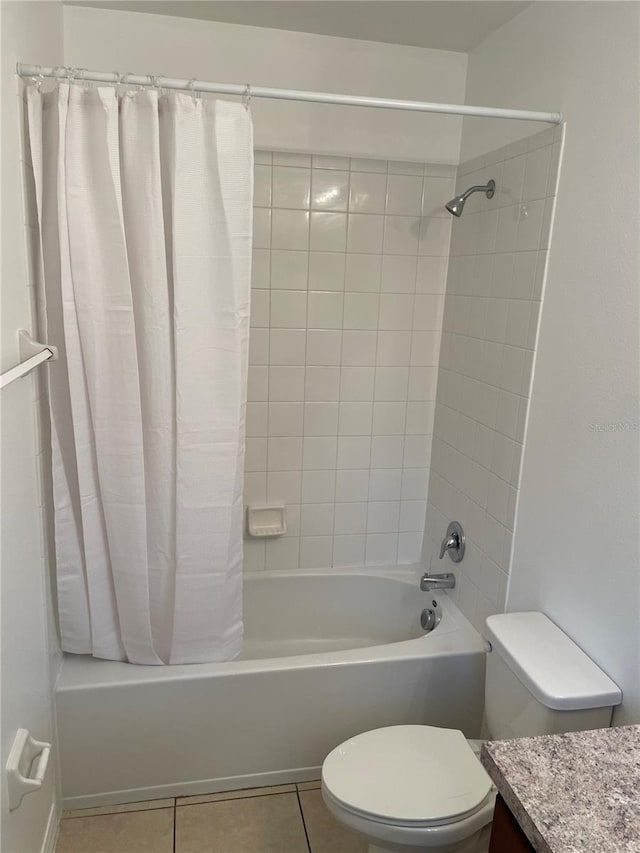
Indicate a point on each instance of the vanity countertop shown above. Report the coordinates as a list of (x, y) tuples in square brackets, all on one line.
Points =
[(572, 793)]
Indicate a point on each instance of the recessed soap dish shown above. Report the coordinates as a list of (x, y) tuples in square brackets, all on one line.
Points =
[(266, 520)]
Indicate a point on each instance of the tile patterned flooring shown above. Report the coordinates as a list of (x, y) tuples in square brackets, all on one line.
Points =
[(279, 819)]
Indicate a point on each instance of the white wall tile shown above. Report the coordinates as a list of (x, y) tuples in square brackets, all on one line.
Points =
[(401, 235), (385, 484), (289, 229), (288, 309), (318, 486), (355, 418), (284, 486), (348, 550), (357, 384), (320, 418), (291, 187), (289, 270), (328, 231), (317, 519), (363, 273), (257, 419), (383, 516), (490, 324), (260, 273), (322, 383), (360, 311), (262, 186), (260, 308), (259, 346), (329, 189), (261, 228), (286, 384), (350, 518), (324, 347), (321, 161), (396, 311), (325, 310), (404, 195), (354, 451), (365, 233), (282, 554), (359, 348), (326, 271), (391, 384), (284, 454), (389, 418), (352, 485), (287, 346), (367, 192), (394, 349), (258, 383), (387, 451), (381, 549), (285, 419), (398, 273), (333, 359), (434, 236), (319, 452)]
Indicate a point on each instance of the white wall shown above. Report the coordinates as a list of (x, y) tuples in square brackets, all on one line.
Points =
[(30, 32), (577, 540), (180, 47)]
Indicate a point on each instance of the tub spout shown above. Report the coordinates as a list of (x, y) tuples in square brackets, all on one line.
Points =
[(444, 581)]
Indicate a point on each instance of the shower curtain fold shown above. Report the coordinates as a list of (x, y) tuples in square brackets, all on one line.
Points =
[(144, 207)]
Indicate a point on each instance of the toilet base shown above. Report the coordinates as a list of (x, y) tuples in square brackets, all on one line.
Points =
[(477, 843)]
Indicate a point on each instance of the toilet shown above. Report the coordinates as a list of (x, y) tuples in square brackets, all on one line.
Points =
[(417, 788)]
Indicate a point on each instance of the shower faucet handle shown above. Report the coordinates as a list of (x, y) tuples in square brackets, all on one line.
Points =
[(453, 543)]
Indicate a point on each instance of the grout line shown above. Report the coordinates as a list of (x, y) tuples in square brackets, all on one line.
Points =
[(304, 824), (120, 811), (223, 799)]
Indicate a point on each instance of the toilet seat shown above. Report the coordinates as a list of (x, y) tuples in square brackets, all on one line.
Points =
[(411, 776)]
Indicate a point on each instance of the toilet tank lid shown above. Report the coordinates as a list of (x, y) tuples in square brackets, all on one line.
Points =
[(555, 670)]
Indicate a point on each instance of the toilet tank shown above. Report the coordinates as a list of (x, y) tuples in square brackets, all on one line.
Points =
[(538, 681)]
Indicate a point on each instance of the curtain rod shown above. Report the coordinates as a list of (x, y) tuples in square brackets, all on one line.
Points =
[(245, 90)]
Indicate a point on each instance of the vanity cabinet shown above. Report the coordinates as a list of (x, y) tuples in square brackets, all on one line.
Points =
[(506, 835)]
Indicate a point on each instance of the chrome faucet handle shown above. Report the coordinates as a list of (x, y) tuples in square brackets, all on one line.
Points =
[(453, 542), (449, 543)]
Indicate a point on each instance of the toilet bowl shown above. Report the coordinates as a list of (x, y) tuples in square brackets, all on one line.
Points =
[(423, 789), (411, 788)]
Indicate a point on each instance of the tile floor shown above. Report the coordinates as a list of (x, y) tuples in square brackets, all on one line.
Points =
[(280, 819)]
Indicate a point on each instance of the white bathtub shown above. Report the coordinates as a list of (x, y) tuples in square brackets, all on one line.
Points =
[(327, 655)]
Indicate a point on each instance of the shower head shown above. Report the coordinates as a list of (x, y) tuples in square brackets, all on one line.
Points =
[(456, 205)]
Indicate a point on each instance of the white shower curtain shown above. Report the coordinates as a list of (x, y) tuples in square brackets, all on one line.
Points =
[(144, 206)]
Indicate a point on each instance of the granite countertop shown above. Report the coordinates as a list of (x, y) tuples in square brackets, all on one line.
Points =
[(572, 793)]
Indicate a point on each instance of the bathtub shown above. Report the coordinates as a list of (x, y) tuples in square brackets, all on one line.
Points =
[(327, 654)]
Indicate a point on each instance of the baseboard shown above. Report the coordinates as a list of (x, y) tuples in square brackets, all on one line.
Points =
[(51, 834), (185, 789)]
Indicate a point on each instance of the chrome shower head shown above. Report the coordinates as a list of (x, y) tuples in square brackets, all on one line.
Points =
[(456, 205)]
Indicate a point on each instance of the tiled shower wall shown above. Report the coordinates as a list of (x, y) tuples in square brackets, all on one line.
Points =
[(349, 274), (494, 292)]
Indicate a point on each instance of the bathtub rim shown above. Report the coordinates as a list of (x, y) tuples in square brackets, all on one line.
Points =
[(455, 635)]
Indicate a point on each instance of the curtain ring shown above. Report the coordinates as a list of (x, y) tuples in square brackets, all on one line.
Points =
[(71, 75), (246, 97), (191, 88), (80, 73), (58, 73), (38, 78)]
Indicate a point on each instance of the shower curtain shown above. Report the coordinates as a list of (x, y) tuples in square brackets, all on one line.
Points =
[(145, 217)]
